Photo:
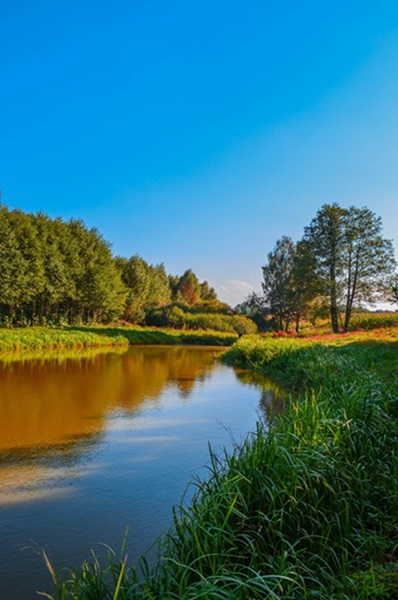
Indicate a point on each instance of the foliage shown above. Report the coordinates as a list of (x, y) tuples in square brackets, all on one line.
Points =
[(56, 272), (276, 285), (290, 287), (52, 271), (147, 285), (188, 288), (255, 308), (341, 262), (180, 316), (353, 260), (393, 297)]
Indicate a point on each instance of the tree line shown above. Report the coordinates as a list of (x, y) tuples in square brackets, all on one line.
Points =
[(341, 262), (53, 271)]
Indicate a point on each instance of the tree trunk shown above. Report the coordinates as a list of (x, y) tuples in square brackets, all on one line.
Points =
[(297, 321), (334, 315)]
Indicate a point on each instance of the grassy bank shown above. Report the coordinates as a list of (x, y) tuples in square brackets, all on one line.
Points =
[(307, 510), (47, 338)]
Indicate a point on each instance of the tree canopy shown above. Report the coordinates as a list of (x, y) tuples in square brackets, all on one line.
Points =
[(52, 271), (342, 261)]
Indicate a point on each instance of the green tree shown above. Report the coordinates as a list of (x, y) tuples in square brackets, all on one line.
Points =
[(255, 308), (207, 292), (304, 284), (101, 292), (325, 236), (393, 296), (148, 286), (188, 289), (56, 277), (159, 288), (136, 277), (13, 268), (353, 260), (277, 281), (368, 260)]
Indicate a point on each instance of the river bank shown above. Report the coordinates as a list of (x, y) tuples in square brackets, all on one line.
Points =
[(309, 509), (50, 338)]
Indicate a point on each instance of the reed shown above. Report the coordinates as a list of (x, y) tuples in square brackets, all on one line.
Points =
[(307, 509)]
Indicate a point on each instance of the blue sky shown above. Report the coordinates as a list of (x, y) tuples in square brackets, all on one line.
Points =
[(197, 133)]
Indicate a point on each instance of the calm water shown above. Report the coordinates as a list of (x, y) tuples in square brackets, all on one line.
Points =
[(93, 442)]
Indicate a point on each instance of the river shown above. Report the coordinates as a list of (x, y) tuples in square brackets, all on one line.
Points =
[(93, 442)]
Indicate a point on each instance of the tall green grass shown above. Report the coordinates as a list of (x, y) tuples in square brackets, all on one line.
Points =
[(37, 338), (47, 338), (308, 509), (369, 321)]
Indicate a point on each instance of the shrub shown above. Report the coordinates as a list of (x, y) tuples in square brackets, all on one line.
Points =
[(179, 316)]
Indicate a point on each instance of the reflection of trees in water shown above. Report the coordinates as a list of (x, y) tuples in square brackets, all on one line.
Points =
[(272, 399), (150, 369), (53, 410), (53, 402)]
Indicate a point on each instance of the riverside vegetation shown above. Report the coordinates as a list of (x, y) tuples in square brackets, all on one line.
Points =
[(61, 273), (307, 509), (57, 338)]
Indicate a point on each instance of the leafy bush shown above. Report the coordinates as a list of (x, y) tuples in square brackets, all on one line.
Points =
[(181, 317)]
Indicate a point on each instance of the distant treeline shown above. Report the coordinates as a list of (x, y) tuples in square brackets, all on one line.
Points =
[(57, 272)]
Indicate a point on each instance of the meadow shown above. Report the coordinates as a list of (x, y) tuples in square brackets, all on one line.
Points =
[(308, 509)]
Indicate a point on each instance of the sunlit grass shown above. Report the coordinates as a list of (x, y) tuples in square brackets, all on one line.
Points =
[(55, 338), (33, 338)]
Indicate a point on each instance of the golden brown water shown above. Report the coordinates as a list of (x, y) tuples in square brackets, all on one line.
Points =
[(54, 400), (93, 441)]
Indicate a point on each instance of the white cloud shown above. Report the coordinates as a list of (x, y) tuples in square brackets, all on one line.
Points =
[(234, 291)]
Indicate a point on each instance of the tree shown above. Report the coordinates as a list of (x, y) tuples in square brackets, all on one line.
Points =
[(13, 267), (394, 290), (353, 260), (188, 289), (135, 275), (148, 286), (325, 237), (369, 259), (207, 292), (304, 283), (101, 291), (277, 279), (159, 288), (255, 308)]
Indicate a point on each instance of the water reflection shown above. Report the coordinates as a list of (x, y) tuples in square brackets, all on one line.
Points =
[(273, 397), (58, 400), (93, 441), (54, 409)]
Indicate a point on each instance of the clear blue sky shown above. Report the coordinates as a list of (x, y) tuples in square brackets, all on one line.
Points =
[(197, 133)]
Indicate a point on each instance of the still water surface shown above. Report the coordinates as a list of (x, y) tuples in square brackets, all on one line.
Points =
[(95, 441)]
